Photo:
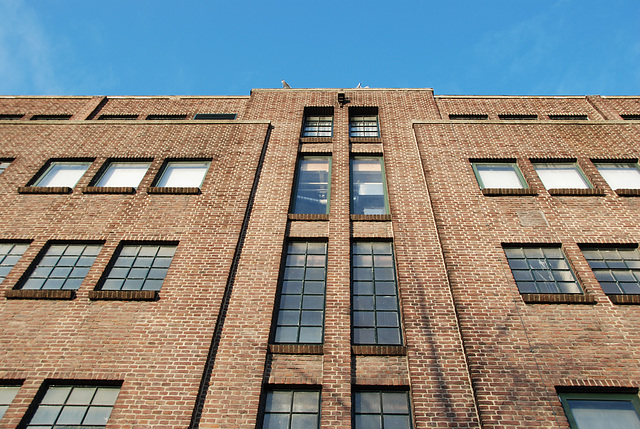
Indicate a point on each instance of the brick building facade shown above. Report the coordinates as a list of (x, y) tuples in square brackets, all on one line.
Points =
[(333, 257)]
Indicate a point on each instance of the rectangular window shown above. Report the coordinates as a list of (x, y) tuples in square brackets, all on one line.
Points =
[(468, 117), (541, 270), (313, 187), (74, 407), (300, 315), (568, 117), (50, 117), (518, 117), (117, 117), (62, 173), (381, 409), (620, 175), (166, 117), (7, 393), (363, 122), (368, 186), (375, 313), (596, 411), (187, 174), (3, 166), (215, 116), (128, 174), (10, 254), (139, 267), (11, 117), (616, 268), (505, 175), (634, 117), (318, 122), (291, 409), (561, 175), (62, 267)]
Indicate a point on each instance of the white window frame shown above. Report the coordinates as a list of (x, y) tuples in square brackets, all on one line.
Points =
[(123, 173), (555, 175), (167, 181)]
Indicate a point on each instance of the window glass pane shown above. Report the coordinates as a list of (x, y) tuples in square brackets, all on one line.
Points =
[(63, 266), (561, 176), (300, 408), (499, 176), (620, 176), (131, 268), (184, 174), (312, 186), (615, 269), (63, 174), (124, 174), (377, 409), (368, 190), (3, 166), (590, 414), (541, 270), (10, 253), (7, 393)]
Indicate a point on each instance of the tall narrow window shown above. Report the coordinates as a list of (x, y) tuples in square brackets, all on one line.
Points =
[(368, 186), (318, 122), (597, 411), (561, 175), (291, 409), (10, 253), (74, 407), (381, 410), (300, 315), (620, 175), (123, 174), (62, 173), (313, 187), (375, 308), (363, 122)]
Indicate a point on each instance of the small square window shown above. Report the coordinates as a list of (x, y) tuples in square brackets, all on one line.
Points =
[(363, 122), (62, 173), (505, 175), (291, 409), (7, 393), (616, 268), (10, 253), (541, 270), (128, 174), (561, 175), (139, 267), (368, 186), (74, 407), (62, 267), (375, 314), (620, 175), (312, 191), (381, 409), (318, 122), (606, 410), (3, 166), (187, 174)]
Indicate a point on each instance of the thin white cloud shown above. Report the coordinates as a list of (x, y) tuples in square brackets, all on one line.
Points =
[(26, 58)]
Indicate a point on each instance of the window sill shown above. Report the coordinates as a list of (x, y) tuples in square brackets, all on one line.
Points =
[(316, 139), (557, 298), (39, 294), (300, 216), (44, 190), (380, 217), (173, 190), (109, 190), (377, 350), (296, 349), (365, 140), (625, 299), (124, 295), (628, 192), (496, 192), (577, 192)]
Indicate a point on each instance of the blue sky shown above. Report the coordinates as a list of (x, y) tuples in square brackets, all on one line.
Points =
[(479, 47)]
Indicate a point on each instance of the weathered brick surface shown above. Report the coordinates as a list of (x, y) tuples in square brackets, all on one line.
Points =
[(476, 353)]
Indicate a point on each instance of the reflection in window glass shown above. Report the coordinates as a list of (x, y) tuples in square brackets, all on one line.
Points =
[(140, 267), (617, 269), (187, 174), (10, 253), (364, 126), (64, 174), (127, 174), (312, 185), (620, 176), (317, 126), (499, 175), (7, 393), (382, 410), (541, 270), (597, 411), (291, 409), (561, 176), (368, 187), (3, 166)]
